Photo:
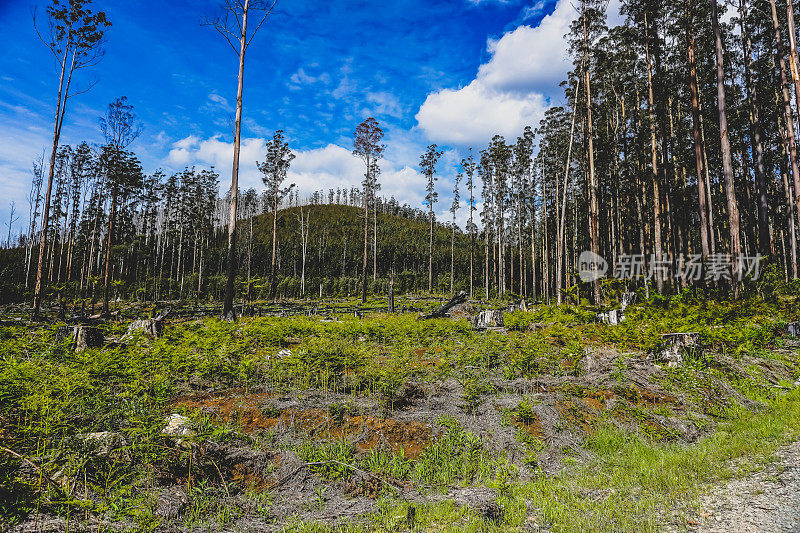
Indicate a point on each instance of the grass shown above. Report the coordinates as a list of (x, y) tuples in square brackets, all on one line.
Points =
[(49, 394)]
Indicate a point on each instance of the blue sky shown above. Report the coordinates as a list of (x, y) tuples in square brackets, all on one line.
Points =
[(452, 72)]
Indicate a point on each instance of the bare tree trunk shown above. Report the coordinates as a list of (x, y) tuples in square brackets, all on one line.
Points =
[(109, 242), (657, 250), (430, 256), (727, 166), (789, 138), (227, 307), (60, 107), (560, 244), (757, 144), (273, 284), (366, 238), (796, 78), (594, 209), (698, 143)]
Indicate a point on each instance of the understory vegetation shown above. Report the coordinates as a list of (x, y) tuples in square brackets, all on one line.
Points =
[(389, 422)]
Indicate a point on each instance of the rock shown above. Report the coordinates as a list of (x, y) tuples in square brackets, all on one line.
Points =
[(678, 345), (177, 426), (172, 503), (283, 353), (491, 318), (793, 329), (612, 318), (105, 444)]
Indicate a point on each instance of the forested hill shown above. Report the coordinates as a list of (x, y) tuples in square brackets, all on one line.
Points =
[(335, 249), (182, 259)]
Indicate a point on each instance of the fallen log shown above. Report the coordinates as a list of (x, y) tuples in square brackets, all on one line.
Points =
[(442, 312)]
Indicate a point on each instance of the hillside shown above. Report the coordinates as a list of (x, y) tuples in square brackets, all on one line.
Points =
[(336, 247)]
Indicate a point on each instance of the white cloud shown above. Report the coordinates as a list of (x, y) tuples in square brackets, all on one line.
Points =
[(329, 167), (218, 101), (510, 91), (384, 104), (301, 77)]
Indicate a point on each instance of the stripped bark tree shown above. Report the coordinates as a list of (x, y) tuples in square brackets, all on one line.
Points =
[(236, 31)]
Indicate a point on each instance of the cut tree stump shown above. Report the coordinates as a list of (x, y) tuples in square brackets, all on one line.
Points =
[(677, 346), (612, 318), (82, 337), (153, 327), (627, 298), (793, 329), (491, 318)]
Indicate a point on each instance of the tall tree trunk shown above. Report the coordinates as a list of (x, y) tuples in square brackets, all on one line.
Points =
[(657, 246), (430, 256), (594, 209), (560, 243), (727, 166), (757, 143), (273, 282), (789, 138), (796, 78), (227, 307), (366, 237), (60, 108), (109, 243)]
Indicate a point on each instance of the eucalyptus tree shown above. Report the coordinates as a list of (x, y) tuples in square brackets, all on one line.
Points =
[(34, 203), (468, 168), (75, 38), (453, 211), (486, 174), (427, 164), (275, 168), (500, 155), (123, 177), (523, 187), (368, 147), (232, 25), (123, 172)]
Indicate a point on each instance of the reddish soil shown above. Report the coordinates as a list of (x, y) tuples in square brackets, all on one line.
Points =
[(246, 410)]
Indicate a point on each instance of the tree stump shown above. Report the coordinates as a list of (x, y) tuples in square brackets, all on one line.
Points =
[(676, 346), (793, 329), (627, 298), (612, 318), (491, 318), (87, 337), (82, 337)]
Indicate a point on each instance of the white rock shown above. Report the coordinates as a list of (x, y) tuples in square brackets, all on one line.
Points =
[(177, 426), (286, 352)]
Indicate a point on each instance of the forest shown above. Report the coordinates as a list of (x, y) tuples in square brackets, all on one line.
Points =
[(678, 145), (600, 334)]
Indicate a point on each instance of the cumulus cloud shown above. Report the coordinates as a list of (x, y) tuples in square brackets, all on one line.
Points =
[(328, 167), (511, 90)]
